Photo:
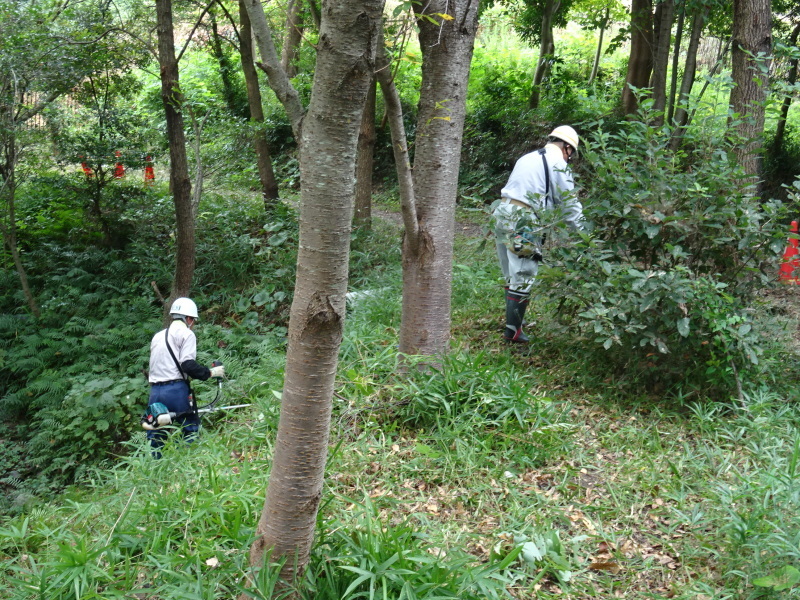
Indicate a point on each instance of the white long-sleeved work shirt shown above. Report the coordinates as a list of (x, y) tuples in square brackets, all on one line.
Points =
[(527, 184), (183, 343)]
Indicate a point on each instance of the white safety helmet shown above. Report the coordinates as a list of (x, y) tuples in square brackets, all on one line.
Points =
[(567, 134), (183, 307)]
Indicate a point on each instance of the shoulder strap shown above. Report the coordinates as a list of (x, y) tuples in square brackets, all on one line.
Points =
[(543, 151)]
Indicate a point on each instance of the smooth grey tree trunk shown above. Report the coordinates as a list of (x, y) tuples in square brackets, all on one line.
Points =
[(328, 135), (428, 257), (180, 184), (750, 58)]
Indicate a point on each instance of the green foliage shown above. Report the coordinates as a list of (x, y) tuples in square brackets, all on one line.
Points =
[(370, 558), (677, 252)]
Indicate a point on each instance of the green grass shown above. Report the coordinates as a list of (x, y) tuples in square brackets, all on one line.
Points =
[(507, 473)]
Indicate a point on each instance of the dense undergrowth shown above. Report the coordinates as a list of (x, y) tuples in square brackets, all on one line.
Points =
[(646, 444), (509, 472)]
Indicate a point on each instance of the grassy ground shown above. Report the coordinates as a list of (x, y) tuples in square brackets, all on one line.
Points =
[(516, 472)]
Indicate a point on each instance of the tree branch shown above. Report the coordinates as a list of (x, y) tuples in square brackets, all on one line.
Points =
[(394, 113), (271, 65)]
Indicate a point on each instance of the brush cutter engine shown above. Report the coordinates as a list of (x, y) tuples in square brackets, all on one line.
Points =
[(157, 415)]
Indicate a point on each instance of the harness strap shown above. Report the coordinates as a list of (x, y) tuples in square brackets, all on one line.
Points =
[(542, 152)]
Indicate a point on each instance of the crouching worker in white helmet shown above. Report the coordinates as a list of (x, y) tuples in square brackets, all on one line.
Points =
[(540, 181), (173, 354)]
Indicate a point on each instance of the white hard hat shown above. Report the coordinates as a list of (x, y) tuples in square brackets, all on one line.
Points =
[(566, 134), (184, 308)]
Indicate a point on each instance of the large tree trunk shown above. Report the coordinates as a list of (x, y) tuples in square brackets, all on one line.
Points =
[(428, 259), (780, 129), (362, 216), (344, 70), (266, 174), (180, 183), (546, 51), (666, 11), (682, 110), (673, 86), (751, 48), (641, 57), (293, 37)]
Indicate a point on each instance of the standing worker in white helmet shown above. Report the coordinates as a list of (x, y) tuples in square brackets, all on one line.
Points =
[(173, 360), (540, 181)]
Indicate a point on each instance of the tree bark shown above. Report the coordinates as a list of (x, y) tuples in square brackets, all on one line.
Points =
[(599, 52), (427, 262), (640, 62), (344, 70), (271, 65), (180, 184), (225, 68), (661, 58), (362, 216), (293, 37), (675, 58), (402, 160), (9, 189), (780, 129), (689, 70), (266, 174), (751, 48), (546, 51)]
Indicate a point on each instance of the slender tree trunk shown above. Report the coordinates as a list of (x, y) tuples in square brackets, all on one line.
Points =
[(751, 48), (428, 262), (269, 187), (394, 116), (225, 69), (180, 183), (599, 52), (344, 70), (9, 232), (293, 37), (689, 70), (366, 148), (661, 59), (673, 87), (780, 129), (641, 57), (546, 51)]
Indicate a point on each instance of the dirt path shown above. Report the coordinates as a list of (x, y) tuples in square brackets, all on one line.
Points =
[(467, 229)]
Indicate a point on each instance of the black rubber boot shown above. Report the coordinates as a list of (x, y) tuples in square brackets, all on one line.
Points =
[(516, 303)]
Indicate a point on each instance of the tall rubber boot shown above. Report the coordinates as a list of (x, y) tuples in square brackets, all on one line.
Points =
[(516, 303)]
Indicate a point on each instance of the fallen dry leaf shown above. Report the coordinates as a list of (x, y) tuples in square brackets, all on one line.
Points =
[(611, 567)]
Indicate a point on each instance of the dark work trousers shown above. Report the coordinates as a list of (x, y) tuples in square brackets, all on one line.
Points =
[(175, 396)]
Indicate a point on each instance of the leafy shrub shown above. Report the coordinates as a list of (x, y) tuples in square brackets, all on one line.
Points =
[(677, 252)]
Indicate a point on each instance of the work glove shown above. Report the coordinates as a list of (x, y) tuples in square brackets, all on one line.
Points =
[(218, 371)]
